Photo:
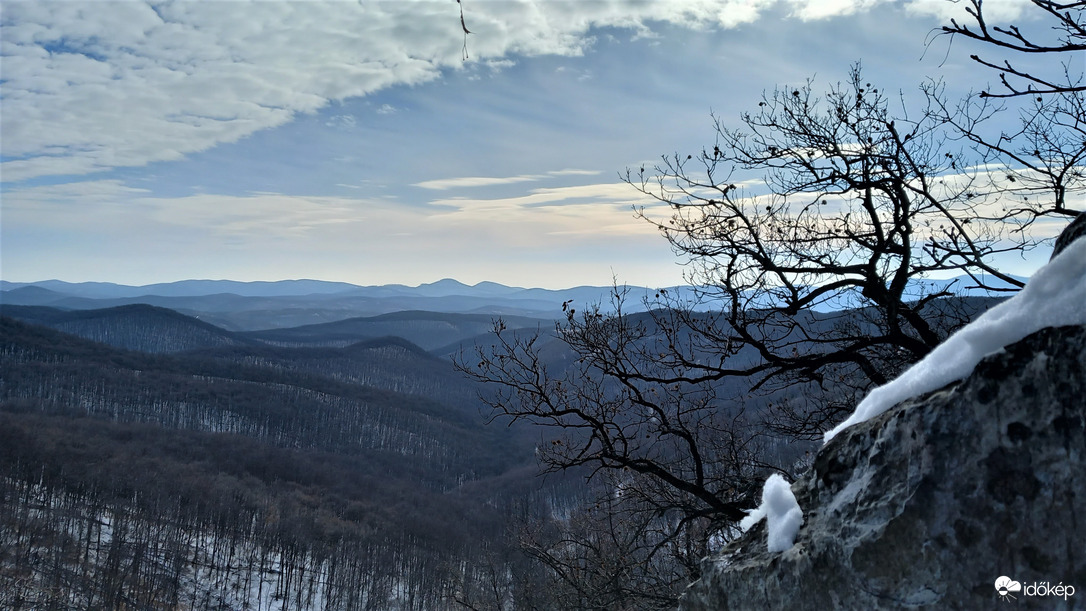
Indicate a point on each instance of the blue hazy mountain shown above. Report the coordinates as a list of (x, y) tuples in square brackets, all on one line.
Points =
[(247, 306), (250, 306), (187, 288)]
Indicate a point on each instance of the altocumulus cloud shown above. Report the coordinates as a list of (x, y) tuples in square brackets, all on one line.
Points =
[(90, 86)]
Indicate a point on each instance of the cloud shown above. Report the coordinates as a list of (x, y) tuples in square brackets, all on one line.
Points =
[(341, 121), (92, 206), (995, 11), (473, 181), (95, 206), (809, 10), (92, 86), (573, 172), (73, 192), (590, 211), (498, 65), (467, 182)]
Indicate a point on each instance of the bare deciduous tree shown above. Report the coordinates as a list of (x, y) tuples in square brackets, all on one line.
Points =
[(846, 205)]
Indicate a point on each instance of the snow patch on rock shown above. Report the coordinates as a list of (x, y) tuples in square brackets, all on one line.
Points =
[(781, 511)]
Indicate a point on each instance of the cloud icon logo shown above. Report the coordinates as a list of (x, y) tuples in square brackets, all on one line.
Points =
[(1005, 586)]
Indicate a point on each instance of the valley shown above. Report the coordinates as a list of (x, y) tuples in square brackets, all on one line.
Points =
[(150, 458)]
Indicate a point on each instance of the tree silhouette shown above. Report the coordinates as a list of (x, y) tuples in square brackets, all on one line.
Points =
[(1061, 32), (1043, 159)]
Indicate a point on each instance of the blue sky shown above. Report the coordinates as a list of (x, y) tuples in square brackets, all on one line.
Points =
[(349, 141)]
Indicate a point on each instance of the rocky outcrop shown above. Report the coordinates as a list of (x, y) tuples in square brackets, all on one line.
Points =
[(928, 504)]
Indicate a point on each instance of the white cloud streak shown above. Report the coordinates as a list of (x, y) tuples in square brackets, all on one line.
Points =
[(574, 172), (474, 181)]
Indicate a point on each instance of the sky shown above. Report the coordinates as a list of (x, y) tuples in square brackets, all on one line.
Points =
[(145, 142)]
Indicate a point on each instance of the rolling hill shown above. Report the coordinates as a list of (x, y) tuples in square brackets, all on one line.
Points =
[(223, 472), (140, 327)]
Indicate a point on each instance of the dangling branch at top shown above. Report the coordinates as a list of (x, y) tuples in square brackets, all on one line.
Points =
[(463, 25)]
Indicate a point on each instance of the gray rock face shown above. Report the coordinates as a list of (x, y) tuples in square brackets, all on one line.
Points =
[(928, 504), (1072, 232)]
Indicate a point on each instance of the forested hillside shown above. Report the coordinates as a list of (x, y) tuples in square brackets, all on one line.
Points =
[(141, 327), (429, 330), (247, 476)]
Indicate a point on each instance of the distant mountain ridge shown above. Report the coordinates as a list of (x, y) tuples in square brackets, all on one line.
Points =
[(278, 288), (253, 306), (186, 288), (446, 287)]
